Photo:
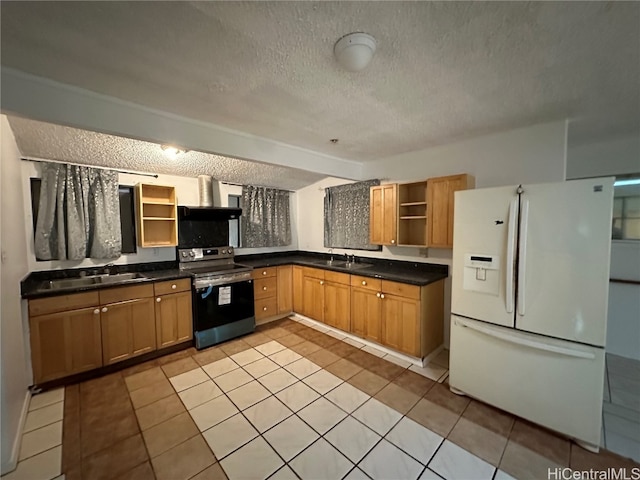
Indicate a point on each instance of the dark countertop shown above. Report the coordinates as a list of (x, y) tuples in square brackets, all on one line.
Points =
[(414, 273), (35, 285)]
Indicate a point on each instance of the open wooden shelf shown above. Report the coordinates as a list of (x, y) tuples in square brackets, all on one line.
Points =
[(412, 214), (156, 209)]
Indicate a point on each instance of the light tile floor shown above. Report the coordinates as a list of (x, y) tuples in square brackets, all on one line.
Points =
[(621, 408), (41, 447), (291, 401)]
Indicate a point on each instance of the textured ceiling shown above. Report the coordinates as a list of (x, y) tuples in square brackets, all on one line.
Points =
[(54, 142), (443, 70)]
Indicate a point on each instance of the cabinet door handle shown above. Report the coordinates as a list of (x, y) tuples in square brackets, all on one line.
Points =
[(382, 295), (363, 282), (174, 286), (393, 241), (264, 272), (378, 294), (321, 282), (264, 309), (264, 288), (158, 299), (105, 309), (96, 311)]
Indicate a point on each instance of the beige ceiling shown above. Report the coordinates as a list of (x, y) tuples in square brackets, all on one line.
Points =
[(443, 70)]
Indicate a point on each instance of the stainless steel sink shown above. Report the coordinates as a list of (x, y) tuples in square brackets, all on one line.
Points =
[(120, 277), (343, 264), (91, 280)]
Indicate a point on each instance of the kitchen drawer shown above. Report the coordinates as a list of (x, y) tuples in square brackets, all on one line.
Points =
[(337, 277), (264, 272), (122, 294), (266, 307), (401, 289), (61, 303), (313, 273), (367, 283), (172, 286), (265, 287)]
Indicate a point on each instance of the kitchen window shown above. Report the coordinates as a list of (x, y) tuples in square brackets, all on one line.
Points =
[(127, 213)]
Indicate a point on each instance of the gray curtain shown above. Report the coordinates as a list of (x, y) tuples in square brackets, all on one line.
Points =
[(266, 220), (79, 213), (346, 216)]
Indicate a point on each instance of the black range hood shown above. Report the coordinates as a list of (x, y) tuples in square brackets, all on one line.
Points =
[(208, 213)]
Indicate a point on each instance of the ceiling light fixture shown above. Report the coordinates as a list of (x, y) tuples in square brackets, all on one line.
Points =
[(354, 51), (172, 152)]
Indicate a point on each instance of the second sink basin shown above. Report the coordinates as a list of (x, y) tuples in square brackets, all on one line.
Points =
[(343, 264), (91, 280)]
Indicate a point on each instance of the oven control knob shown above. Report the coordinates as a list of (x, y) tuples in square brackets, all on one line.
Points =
[(226, 251), (184, 254), (192, 254)]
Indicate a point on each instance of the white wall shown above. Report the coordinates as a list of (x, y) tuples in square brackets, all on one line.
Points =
[(535, 154), (623, 328), (529, 155), (13, 364), (618, 156)]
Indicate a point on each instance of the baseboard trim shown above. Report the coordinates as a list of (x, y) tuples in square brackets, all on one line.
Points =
[(15, 450)]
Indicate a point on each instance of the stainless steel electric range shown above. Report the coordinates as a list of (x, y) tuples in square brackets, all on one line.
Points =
[(222, 294)]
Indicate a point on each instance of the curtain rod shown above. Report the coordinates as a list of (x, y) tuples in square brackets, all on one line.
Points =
[(261, 186), (42, 160)]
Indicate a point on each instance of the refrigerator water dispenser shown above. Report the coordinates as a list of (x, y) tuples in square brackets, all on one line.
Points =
[(482, 273)]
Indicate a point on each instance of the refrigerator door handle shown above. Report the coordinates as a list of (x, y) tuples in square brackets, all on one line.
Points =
[(526, 342), (511, 245), (522, 257)]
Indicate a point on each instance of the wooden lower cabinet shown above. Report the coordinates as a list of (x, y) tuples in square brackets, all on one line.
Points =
[(401, 324), (297, 289), (65, 343), (313, 298), (337, 305), (174, 319), (128, 329), (285, 289), (366, 314)]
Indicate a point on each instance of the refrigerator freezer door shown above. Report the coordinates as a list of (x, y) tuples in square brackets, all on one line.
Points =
[(551, 382), (564, 255), (483, 254)]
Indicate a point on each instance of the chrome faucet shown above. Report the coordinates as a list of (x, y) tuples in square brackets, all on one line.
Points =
[(331, 257)]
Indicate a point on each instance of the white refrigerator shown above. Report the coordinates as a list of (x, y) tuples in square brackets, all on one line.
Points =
[(530, 283)]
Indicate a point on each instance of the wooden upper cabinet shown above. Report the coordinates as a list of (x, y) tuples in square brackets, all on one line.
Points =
[(157, 215), (285, 289), (440, 207), (383, 214)]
